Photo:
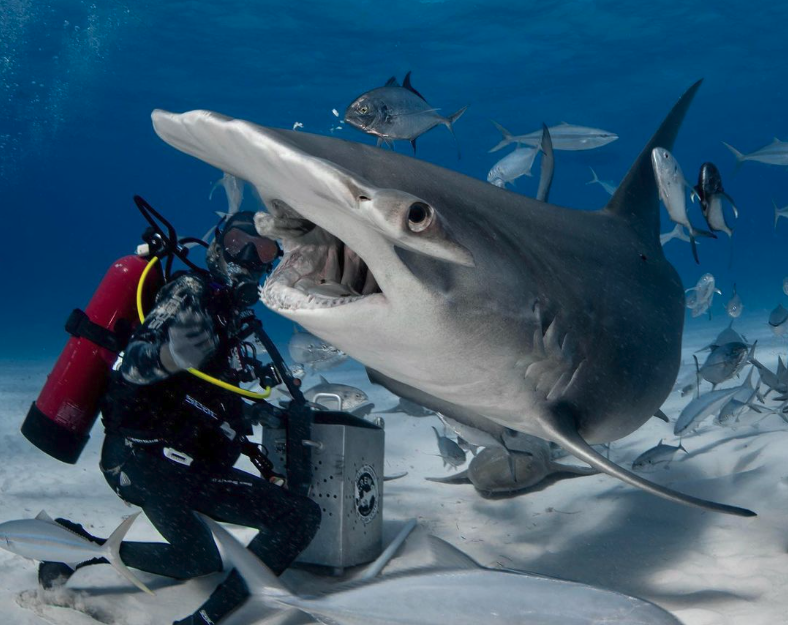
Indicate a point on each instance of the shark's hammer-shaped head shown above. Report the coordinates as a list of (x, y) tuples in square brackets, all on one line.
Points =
[(361, 259)]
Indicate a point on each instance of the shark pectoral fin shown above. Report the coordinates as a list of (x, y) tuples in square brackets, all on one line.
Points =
[(112, 553), (563, 430)]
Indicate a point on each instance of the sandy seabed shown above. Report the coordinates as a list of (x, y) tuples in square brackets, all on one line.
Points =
[(706, 568)]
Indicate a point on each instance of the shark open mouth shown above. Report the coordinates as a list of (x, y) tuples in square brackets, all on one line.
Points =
[(318, 269)]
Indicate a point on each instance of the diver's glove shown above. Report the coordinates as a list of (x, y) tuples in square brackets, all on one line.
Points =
[(191, 341)]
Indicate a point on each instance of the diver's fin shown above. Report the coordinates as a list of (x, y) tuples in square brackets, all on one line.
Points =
[(409, 87), (548, 166), (636, 198), (564, 432), (112, 553)]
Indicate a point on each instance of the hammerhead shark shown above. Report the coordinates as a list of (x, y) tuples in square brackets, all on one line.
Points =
[(502, 312)]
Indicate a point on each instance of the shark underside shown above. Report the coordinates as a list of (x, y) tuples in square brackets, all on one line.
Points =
[(504, 313)]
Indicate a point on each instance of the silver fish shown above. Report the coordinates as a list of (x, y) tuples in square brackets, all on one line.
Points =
[(777, 320), (672, 188), (710, 193), (658, 455), (724, 362), (608, 186), (409, 408), (775, 153), (454, 585), (233, 189), (512, 166), (700, 296), (451, 453), (307, 349), (779, 212), (734, 306), (396, 112), (326, 394), (46, 540), (565, 137), (704, 406)]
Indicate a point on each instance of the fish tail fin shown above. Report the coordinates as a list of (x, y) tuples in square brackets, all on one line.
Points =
[(776, 213), (112, 547), (740, 158), (681, 446), (508, 137), (595, 177), (449, 123), (694, 247), (636, 198), (261, 581), (563, 430)]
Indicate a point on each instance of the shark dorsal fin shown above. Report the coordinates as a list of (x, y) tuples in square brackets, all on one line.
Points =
[(409, 87), (323, 380), (636, 198), (392, 82)]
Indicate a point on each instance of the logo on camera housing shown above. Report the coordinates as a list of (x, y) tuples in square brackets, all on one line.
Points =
[(367, 497)]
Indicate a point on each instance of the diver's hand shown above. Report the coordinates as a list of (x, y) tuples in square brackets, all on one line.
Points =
[(191, 341)]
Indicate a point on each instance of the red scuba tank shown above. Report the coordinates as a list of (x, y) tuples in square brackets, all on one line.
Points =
[(60, 420)]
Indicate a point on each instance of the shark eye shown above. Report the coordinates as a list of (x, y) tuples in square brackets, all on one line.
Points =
[(363, 110), (420, 216)]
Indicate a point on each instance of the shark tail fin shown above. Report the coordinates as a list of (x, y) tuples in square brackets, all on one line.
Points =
[(261, 581), (636, 198), (564, 432), (508, 137), (595, 177), (112, 554)]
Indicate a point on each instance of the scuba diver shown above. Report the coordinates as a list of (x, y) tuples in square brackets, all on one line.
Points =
[(171, 439)]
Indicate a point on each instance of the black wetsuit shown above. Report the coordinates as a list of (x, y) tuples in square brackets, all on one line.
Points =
[(171, 442)]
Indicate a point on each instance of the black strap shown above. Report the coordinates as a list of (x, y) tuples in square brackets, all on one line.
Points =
[(79, 325)]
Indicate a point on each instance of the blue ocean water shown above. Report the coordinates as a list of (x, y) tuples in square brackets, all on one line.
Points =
[(78, 81)]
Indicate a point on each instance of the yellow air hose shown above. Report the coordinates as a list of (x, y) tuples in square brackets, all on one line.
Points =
[(195, 372)]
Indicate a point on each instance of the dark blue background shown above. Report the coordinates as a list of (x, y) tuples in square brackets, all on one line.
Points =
[(78, 82)]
